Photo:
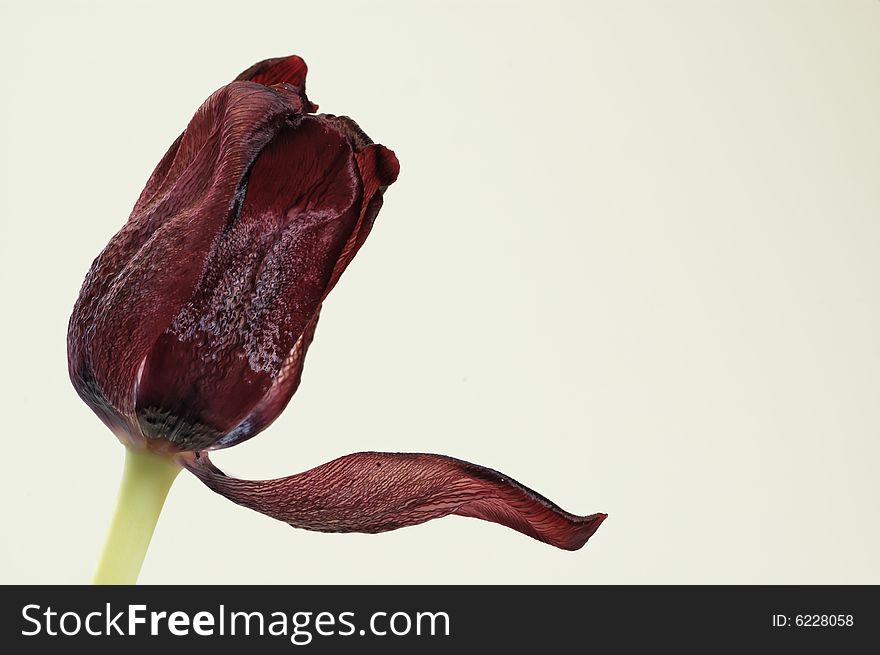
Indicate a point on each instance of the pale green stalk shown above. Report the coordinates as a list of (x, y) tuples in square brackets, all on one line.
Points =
[(145, 483)]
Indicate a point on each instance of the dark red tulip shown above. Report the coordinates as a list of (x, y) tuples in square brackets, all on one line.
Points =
[(192, 326)]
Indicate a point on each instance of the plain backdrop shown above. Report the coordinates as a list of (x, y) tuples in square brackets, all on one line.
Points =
[(631, 260)]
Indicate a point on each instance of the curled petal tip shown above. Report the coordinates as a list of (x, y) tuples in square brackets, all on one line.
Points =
[(587, 528), (278, 70), (387, 165), (290, 71)]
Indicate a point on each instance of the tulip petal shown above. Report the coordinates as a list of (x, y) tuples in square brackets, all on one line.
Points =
[(379, 168), (267, 273), (133, 290), (376, 492)]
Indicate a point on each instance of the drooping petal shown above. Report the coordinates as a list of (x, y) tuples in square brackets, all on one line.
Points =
[(376, 492), (148, 270)]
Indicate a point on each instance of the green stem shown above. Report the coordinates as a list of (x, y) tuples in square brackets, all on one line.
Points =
[(145, 483)]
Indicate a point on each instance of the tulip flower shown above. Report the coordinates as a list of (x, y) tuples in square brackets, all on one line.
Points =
[(192, 326)]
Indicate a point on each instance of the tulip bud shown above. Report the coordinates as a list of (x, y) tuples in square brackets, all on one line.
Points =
[(192, 326)]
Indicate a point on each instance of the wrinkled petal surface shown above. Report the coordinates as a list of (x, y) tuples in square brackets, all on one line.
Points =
[(227, 350), (375, 492), (262, 283), (147, 272)]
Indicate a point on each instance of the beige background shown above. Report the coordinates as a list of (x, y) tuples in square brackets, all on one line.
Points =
[(631, 260)]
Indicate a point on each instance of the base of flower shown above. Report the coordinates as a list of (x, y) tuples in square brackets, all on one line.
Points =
[(146, 479)]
